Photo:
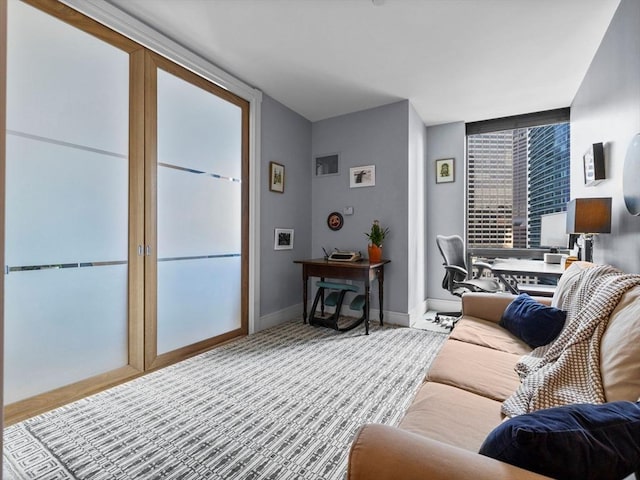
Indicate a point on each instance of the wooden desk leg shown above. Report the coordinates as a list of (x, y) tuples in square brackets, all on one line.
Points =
[(322, 300), (305, 281), (366, 308), (380, 275)]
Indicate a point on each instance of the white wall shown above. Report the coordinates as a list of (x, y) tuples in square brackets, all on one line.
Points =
[(416, 240), (607, 109), (445, 203)]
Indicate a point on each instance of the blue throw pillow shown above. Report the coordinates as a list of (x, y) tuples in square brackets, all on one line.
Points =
[(578, 442), (534, 323)]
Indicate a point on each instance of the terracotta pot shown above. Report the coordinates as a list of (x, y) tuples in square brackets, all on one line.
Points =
[(375, 253)]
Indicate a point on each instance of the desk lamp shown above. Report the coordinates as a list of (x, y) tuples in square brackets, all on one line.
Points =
[(588, 216)]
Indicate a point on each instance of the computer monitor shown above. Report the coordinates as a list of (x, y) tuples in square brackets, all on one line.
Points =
[(553, 230)]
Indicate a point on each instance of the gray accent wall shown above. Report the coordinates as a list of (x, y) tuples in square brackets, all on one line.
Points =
[(607, 109), (285, 139), (445, 201), (379, 137)]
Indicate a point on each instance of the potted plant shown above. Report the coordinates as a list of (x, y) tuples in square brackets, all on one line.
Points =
[(376, 238)]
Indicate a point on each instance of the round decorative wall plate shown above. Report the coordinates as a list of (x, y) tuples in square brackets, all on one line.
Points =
[(335, 221)]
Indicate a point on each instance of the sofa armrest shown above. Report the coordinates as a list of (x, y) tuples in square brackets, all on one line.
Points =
[(490, 306), (383, 452), (487, 306)]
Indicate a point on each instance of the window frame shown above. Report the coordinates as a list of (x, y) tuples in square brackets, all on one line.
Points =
[(536, 119)]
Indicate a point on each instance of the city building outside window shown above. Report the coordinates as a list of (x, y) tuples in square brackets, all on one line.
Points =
[(513, 178)]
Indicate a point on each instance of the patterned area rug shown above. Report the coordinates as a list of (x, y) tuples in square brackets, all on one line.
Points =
[(281, 404)]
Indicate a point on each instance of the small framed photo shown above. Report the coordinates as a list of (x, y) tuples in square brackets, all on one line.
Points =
[(362, 176), (283, 239), (445, 170), (276, 177)]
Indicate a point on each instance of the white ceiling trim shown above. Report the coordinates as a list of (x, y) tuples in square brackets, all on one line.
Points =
[(146, 36)]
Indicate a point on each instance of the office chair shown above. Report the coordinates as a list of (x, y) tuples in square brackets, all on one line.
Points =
[(455, 276)]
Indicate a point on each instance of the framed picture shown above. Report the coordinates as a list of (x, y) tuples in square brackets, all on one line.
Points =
[(327, 165), (362, 176), (283, 239), (445, 172), (276, 177)]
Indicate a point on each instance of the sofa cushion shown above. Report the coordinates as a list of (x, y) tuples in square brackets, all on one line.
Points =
[(451, 415), (488, 334), (477, 369), (488, 306), (571, 442), (532, 322), (569, 277), (619, 351)]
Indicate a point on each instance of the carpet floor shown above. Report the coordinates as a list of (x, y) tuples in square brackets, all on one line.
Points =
[(284, 403)]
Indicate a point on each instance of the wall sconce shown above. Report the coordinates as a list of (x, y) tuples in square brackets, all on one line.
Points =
[(593, 161), (589, 216)]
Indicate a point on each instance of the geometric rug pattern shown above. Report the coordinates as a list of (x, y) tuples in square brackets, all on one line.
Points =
[(281, 404)]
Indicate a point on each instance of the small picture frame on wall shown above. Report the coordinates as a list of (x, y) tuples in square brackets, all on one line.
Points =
[(445, 172), (276, 177), (362, 176), (283, 239)]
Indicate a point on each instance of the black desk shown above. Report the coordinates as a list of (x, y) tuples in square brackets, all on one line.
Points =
[(361, 270)]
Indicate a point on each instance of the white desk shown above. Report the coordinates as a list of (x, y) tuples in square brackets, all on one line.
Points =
[(532, 268)]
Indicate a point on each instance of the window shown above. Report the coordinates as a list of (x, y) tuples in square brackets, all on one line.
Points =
[(514, 177)]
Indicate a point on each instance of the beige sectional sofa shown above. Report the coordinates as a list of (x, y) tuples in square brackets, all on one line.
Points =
[(460, 400)]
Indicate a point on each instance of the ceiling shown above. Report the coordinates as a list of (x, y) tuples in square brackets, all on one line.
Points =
[(455, 60)]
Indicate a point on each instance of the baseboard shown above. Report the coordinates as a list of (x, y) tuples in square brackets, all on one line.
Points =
[(439, 305), (295, 311), (390, 318), (281, 316), (418, 312)]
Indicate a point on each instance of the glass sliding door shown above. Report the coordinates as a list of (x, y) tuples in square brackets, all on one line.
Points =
[(67, 205), (126, 204), (200, 259)]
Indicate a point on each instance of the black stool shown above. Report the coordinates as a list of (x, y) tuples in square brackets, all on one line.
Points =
[(335, 299)]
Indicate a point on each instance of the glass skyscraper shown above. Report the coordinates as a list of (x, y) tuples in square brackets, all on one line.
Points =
[(548, 175), (514, 177)]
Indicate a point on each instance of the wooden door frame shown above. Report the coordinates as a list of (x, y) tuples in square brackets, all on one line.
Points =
[(39, 403), (3, 128), (139, 329), (153, 62)]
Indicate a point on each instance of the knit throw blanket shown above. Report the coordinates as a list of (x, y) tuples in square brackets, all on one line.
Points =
[(568, 370)]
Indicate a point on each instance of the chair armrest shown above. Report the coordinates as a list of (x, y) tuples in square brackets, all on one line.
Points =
[(388, 453), (490, 306), (481, 267), (456, 269), (507, 280)]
